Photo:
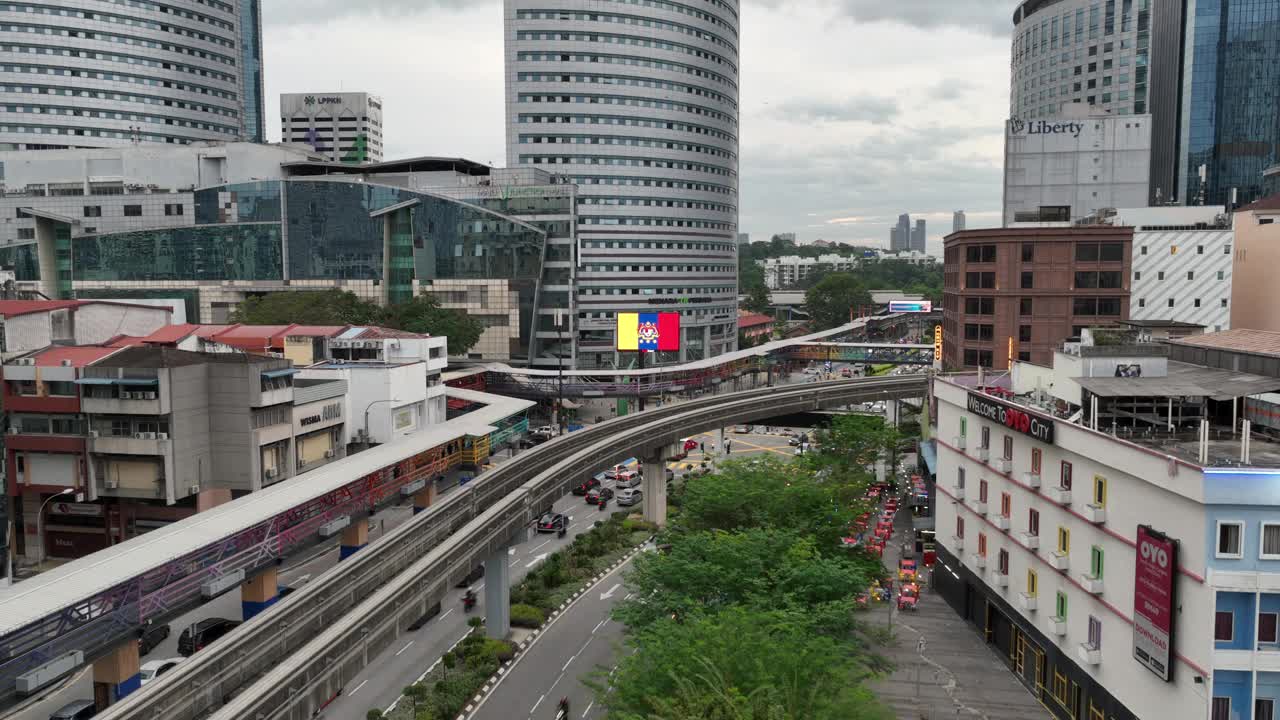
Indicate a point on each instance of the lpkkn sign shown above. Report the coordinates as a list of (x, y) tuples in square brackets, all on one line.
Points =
[(1011, 417), (1044, 127), (1153, 601)]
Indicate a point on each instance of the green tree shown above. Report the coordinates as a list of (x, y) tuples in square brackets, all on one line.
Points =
[(834, 299), (758, 298), (373, 714), (423, 314), (319, 307), (448, 662), (851, 446), (418, 694)]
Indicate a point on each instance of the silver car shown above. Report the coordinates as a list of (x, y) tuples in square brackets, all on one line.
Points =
[(630, 496)]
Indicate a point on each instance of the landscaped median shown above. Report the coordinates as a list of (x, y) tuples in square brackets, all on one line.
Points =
[(465, 673)]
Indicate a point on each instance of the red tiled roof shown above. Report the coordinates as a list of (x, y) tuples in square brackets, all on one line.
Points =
[(381, 333), (314, 330), (79, 355), (120, 341), (171, 334), (251, 332), (754, 320), (14, 308)]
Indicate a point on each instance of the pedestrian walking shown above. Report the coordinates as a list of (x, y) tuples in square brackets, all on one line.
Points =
[(728, 447), (702, 448)]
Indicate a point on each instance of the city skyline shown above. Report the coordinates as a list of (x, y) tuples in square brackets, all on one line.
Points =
[(948, 119)]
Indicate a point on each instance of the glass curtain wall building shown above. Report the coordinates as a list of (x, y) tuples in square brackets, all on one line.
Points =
[(1231, 108), (637, 104), (78, 74)]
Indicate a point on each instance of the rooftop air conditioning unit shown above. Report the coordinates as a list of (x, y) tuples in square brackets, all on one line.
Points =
[(193, 490), (93, 433), (27, 361), (137, 436), (111, 484), (162, 436), (14, 430), (66, 363), (148, 436), (151, 396), (126, 395), (271, 473), (328, 453)]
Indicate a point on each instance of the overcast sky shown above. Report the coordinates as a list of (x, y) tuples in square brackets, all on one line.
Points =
[(853, 111)]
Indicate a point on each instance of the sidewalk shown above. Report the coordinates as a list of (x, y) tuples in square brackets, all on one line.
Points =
[(956, 675)]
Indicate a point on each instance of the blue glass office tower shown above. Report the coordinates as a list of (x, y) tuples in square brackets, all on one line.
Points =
[(1231, 99), (251, 71)]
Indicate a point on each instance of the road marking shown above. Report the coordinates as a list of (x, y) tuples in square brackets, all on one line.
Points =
[(513, 562), (584, 646), (536, 560), (536, 549), (602, 622), (353, 692), (589, 706), (406, 647), (535, 705), (568, 662), (447, 614), (611, 591), (557, 682), (511, 551), (573, 525), (629, 596)]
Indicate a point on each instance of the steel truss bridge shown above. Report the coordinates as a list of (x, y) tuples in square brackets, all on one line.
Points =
[(286, 663)]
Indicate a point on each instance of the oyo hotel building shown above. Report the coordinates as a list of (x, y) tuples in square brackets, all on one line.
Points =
[(1109, 525)]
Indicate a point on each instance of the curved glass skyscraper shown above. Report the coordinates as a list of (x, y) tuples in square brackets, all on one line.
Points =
[(96, 73), (636, 103)]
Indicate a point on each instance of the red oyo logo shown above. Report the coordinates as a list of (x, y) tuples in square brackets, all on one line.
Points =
[(1017, 420)]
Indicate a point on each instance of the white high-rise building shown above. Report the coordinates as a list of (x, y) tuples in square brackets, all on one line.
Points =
[(77, 74), (638, 105), (347, 127)]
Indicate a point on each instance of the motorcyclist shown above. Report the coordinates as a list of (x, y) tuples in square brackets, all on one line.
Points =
[(469, 598), (564, 706)]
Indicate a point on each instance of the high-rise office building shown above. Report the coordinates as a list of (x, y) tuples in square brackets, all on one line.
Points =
[(900, 234), (1228, 123), (918, 237), (76, 77), (638, 105), (957, 221), (345, 126)]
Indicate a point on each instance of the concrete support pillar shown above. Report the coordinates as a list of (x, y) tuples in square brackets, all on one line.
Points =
[(116, 675), (497, 590), (892, 411), (424, 497), (259, 592), (720, 441), (654, 487), (354, 537)]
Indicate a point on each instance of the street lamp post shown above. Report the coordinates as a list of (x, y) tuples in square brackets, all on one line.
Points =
[(366, 416), (40, 516)]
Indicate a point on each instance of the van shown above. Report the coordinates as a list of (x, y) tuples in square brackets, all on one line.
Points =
[(75, 710), (206, 632)]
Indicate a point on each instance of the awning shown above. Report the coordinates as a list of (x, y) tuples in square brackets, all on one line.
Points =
[(284, 372), (929, 451), (117, 381)]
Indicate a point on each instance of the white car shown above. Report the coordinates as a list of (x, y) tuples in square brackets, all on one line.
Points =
[(154, 669), (630, 496)]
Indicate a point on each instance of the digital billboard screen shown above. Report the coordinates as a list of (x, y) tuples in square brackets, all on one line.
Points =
[(649, 332), (910, 306), (1153, 601)]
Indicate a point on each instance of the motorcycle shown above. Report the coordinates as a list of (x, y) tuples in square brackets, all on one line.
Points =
[(468, 601), (562, 710)]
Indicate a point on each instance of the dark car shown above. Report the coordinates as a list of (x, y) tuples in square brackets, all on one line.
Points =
[(586, 487), (553, 522), (75, 710), (150, 637), (599, 496), (206, 632)]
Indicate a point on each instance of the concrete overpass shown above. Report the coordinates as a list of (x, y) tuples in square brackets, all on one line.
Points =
[(287, 663)]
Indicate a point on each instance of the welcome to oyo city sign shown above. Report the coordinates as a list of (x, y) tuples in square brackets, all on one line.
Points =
[(1011, 417), (1044, 127)]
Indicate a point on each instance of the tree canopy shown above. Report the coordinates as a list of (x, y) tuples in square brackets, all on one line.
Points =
[(835, 299), (422, 314)]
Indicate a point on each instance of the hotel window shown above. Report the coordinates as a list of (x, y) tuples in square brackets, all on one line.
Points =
[(1064, 480), (982, 544), (986, 437), (1033, 522), (1060, 607), (1064, 540), (1096, 557), (1025, 306), (1264, 709), (1099, 491), (1008, 447), (1229, 539), (964, 426), (1224, 626), (1221, 709), (960, 478), (1033, 583), (1095, 633), (959, 527), (1002, 562), (1060, 686), (1006, 504), (1267, 627), (1270, 549), (1035, 461), (1028, 280), (982, 491), (1028, 252)]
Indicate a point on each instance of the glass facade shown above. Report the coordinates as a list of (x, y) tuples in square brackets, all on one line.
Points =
[(251, 69), (206, 252), (24, 261), (1231, 106), (240, 203)]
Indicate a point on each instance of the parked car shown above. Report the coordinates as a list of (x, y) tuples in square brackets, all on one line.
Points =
[(75, 710), (586, 486), (154, 669), (742, 429), (630, 496), (151, 637), (812, 371), (553, 522), (629, 479), (205, 633), (599, 496), (846, 372), (548, 430), (613, 472)]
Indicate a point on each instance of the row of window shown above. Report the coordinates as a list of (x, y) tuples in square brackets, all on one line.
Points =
[(118, 97), (71, 72), (671, 7), (627, 122), (614, 39), (646, 245), (656, 222), (119, 58), (1224, 627), (718, 311), (1036, 460), (624, 80), (1037, 40), (1191, 275), (112, 115), (658, 291), (1173, 250), (628, 162), (635, 20), (617, 140), (1195, 302), (654, 182), (630, 60), (136, 41), (1230, 544), (630, 101), (593, 267), (1084, 252), (170, 209)]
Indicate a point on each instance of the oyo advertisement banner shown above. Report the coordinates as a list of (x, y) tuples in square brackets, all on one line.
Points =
[(1153, 601)]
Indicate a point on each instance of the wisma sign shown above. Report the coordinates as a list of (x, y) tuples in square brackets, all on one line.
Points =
[(1011, 417)]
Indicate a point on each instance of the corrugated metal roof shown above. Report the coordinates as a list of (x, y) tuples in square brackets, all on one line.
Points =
[(1258, 342), (79, 355), (14, 308), (1183, 380)]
